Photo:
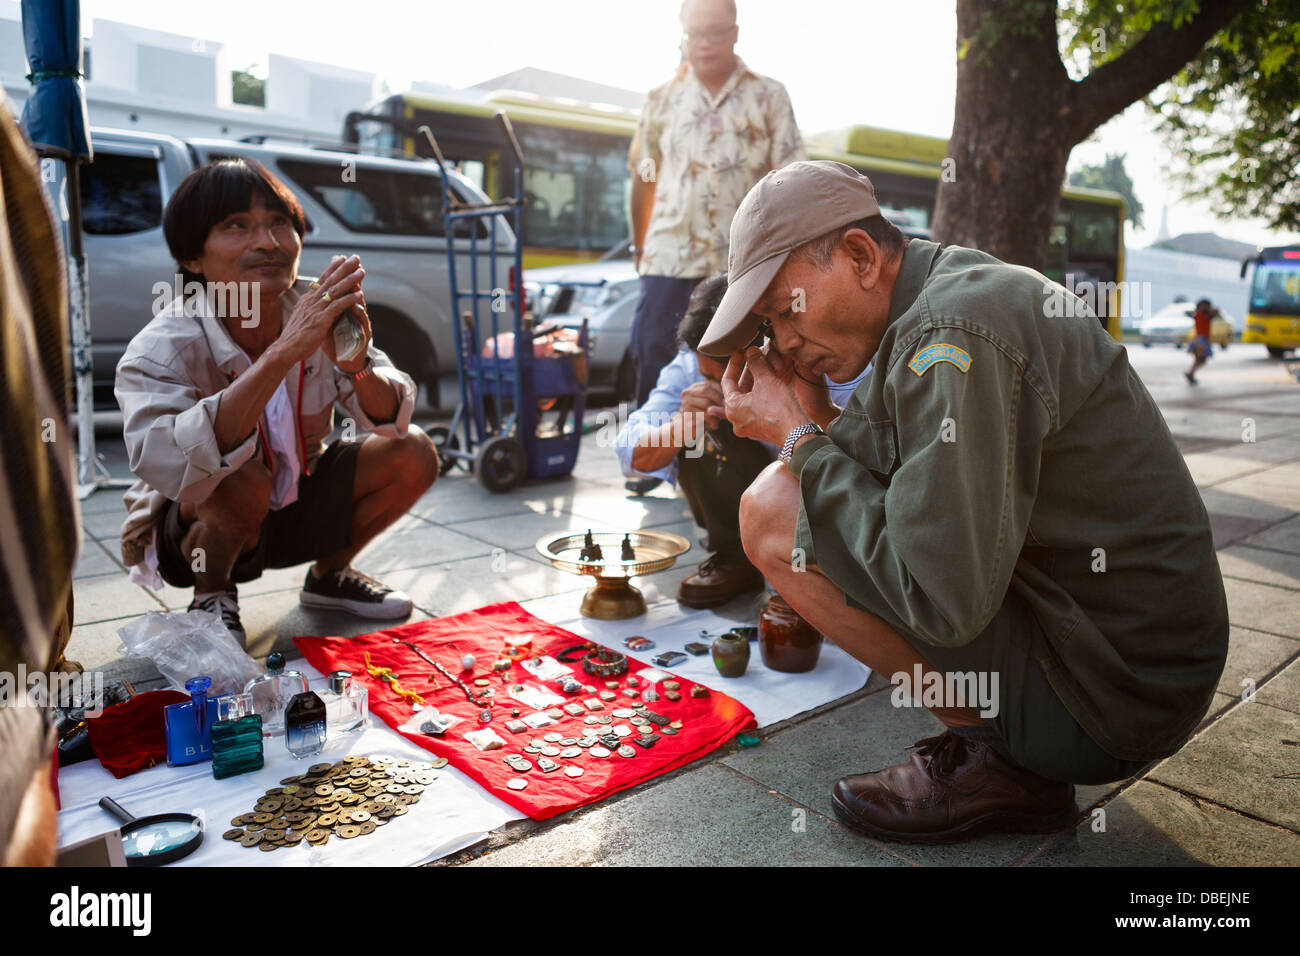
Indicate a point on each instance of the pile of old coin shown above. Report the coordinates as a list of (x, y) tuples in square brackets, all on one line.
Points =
[(601, 737), (348, 799)]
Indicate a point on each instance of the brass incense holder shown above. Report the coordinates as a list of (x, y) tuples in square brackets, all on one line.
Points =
[(613, 558)]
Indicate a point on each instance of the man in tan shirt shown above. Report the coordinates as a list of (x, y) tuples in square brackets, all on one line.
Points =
[(705, 137), (226, 416)]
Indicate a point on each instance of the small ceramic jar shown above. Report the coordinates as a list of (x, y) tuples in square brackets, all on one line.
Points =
[(730, 654)]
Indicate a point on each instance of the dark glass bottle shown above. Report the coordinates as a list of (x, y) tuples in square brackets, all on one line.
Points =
[(305, 724)]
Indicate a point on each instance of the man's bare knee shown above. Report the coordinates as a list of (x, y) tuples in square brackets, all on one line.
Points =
[(241, 501), (416, 460), (769, 509)]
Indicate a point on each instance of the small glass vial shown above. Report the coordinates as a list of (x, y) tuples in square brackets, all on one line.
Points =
[(346, 705), (271, 693), (304, 724), (188, 727), (236, 737)]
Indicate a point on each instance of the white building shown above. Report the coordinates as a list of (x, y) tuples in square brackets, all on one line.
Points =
[(1172, 274), (157, 82)]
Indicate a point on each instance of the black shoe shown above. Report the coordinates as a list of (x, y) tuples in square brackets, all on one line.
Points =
[(642, 486), (225, 605), (360, 594), (1191, 379)]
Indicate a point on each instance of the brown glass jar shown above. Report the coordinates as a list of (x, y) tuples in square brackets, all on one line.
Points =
[(786, 641)]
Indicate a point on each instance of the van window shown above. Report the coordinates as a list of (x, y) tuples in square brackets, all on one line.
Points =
[(120, 195), (376, 200)]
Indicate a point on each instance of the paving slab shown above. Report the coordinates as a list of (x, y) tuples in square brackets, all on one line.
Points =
[(804, 762), (1283, 536), (110, 597), (455, 586), (95, 560), (1254, 655), (459, 497), (705, 817), (1279, 485), (1283, 691), (412, 542), (1261, 565), (1150, 825), (1218, 501), (1212, 468), (1237, 760), (1263, 607), (104, 524), (520, 531)]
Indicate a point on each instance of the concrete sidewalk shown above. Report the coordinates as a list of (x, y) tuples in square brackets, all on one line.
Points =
[(1231, 796)]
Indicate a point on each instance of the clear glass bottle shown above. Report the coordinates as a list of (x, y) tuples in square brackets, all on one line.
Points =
[(236, 737), (304, 724), (188, 727), (271, 693), (346, 704)]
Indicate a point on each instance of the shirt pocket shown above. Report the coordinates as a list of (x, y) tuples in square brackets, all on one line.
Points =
[(871, 444)]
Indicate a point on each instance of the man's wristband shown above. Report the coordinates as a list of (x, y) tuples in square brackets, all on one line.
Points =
[(787, 450), (366, 371)]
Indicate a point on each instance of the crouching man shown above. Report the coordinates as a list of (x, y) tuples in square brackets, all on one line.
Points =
[(228, 398), (675, 437), (999, 498)]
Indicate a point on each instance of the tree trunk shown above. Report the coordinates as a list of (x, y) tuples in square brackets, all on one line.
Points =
[(1008, 150), (1018, 115)]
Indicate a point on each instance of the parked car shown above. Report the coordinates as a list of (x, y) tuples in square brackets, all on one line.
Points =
[(386, 210), (1174, 325)]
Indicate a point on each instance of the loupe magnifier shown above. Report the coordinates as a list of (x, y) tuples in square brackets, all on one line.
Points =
[(158, 839)]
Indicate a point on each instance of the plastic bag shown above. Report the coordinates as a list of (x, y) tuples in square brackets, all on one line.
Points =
[(185, 644)]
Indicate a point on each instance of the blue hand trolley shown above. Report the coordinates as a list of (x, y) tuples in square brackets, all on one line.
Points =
[(520, 415)]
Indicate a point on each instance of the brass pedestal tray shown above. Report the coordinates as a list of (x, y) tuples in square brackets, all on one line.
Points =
[(613, 558)]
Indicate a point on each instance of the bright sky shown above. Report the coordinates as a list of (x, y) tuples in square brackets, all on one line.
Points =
[(869, 61)]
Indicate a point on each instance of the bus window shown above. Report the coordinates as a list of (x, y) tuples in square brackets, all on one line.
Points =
[(1094, 233), (1276, 288)]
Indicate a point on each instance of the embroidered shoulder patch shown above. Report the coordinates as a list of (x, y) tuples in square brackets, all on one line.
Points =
[(939, 352)]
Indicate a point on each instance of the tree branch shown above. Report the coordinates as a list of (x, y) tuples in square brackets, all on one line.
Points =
[(1162, 52)]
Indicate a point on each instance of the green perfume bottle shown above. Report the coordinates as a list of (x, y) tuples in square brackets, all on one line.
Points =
[(236, 737)]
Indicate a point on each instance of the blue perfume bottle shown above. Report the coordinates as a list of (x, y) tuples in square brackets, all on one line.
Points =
[(304, 724), (188, 727)]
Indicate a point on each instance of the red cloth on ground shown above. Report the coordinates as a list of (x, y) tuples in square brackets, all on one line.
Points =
[(707, 722), (130, 736)]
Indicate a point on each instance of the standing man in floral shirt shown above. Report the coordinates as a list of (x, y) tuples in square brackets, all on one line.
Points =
[(705, 137)]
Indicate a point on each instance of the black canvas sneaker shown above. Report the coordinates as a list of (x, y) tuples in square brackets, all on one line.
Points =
[(360, 594)]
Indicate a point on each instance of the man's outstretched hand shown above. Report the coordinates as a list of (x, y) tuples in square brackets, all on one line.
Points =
[(760, 402)]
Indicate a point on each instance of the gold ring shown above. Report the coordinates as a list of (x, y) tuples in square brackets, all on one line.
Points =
[(325, 296), (314, 284)]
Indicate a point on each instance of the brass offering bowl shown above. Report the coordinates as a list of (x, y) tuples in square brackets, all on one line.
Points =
[(613, 598)]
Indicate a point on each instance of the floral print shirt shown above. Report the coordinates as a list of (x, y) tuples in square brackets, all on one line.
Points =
[(704, 153)]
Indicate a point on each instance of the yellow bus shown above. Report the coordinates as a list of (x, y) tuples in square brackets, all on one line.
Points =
[(1273, 318), (576, 180)]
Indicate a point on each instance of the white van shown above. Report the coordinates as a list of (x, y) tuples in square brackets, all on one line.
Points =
[(387, 211)]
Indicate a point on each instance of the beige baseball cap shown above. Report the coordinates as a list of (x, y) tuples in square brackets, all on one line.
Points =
[(787, 207)]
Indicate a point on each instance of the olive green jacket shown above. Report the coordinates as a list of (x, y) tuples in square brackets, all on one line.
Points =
[(997, 445)]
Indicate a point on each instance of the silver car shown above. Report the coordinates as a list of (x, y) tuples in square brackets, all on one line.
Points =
[(387, 211), (605, 293)]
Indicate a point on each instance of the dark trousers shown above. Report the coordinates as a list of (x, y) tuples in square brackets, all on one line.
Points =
[(713, 483), (654, 328)]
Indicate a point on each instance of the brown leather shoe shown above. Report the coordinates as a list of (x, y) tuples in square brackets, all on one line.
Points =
[(952, 789), (717, 580)]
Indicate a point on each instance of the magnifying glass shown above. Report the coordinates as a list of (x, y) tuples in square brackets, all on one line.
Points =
[(158, 839)]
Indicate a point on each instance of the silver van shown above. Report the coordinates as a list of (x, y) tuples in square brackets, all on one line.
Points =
[(387, 211)]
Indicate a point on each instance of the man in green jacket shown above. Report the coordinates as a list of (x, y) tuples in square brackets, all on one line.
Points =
[(998, 518)]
